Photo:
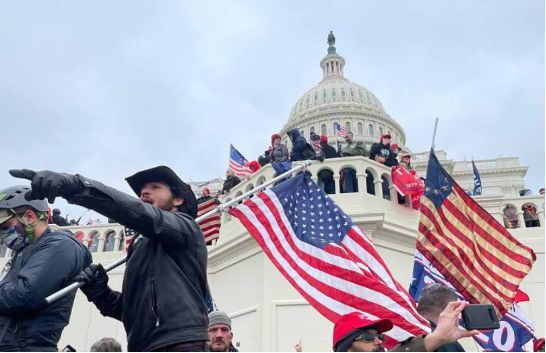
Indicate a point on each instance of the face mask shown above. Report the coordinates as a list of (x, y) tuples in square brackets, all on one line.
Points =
[(13, 239)]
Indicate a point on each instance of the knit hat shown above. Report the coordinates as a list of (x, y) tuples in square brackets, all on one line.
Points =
[(219, 318), (274, 137), (323, 138)]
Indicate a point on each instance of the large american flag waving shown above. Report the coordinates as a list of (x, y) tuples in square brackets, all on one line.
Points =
[(326, 257), (238, 163)]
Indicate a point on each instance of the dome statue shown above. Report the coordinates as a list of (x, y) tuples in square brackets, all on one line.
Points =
[(335, 99)]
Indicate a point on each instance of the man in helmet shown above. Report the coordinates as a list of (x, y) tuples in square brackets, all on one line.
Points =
[(43, 262), (58, 219), (162, 303)]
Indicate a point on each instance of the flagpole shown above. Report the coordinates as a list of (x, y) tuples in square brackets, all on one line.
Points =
[(432, 146), (219, 209)]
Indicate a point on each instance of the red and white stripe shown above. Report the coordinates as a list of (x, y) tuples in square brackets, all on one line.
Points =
[(242, 171), (336, 280), (210, 226), (473, 251), (341, 132)]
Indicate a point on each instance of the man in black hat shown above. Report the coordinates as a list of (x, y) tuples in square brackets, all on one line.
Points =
[(162, 304)]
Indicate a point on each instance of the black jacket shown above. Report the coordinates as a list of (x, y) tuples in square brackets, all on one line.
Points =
[(329, 151), (60, 221), (38, 270), (298, 145), (163, 295), (230, 182), (379, 149)]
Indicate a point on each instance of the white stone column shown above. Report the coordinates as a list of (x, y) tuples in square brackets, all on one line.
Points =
[(521, 219), (336, 182), (378, 187), (361, 178), (85, 240), (102, 240), (394, 193), (117, 240)]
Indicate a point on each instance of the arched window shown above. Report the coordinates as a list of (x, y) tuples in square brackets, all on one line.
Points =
[(360, 129), (316, 96), (530, 215), (333, 92), (302, 133), (109, 241), (323, 129), (324, 93), (370, 129), (334, 127), (312, 129), (348, 126), (93, 244), (342, 92), (380, 131)]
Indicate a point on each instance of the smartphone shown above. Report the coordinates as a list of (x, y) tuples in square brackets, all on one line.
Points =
[(480, 317), (68, 348)]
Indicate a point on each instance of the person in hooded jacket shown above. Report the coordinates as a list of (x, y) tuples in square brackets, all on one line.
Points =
[(329, 151), (298, 145), (162, 302), (44, 262)]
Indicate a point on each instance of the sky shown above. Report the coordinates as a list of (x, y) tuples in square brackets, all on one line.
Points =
[(109, 88)]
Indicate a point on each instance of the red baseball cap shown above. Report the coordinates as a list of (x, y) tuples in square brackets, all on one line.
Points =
[(405, 156), (323, 138), (207, 190), (394, 145), (385, 136), (355, 320)]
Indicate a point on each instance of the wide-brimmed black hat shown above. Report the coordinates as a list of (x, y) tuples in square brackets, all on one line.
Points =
[(169, 177)]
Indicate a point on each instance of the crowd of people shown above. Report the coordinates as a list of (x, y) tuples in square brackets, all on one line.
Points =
[(163, 299)]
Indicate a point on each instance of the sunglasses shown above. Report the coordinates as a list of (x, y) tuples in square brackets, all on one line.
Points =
[(370, 337)]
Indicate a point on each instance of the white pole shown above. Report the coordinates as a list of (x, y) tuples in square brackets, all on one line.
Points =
[(219, 209), (434, 134)]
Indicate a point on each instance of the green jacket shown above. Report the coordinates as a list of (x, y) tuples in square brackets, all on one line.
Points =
[(414, 344), (355, 148)]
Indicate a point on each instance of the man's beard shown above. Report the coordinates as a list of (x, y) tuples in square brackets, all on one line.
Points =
[(218, 346), (379, 348)]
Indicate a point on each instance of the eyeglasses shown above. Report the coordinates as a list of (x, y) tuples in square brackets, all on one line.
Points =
[(370, 337)]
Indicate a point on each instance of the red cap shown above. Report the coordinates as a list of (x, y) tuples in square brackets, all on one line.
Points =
[(254, 166), (405, 156), (207, 190), (355, 320), (274, 137), (394, 145), (538, 344), (323, 138), (386, 136)]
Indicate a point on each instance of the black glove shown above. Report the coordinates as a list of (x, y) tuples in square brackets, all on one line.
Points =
[(49, 184), (97, 281)]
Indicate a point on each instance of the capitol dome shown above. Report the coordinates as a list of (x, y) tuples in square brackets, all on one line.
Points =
[(335, 99)]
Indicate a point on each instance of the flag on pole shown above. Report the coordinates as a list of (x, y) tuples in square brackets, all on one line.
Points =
[(210, 226), (340, 130), (315, 139), (515, 329), (238, 163), (477, 180), (326, 257), (473, 251)]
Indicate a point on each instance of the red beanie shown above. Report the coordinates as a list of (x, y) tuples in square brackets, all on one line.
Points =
[(274, 137), (323, 138)]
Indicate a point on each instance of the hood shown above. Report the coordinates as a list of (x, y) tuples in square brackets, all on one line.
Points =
[(293, 134)]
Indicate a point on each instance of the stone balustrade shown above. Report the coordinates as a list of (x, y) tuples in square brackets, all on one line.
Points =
[(518, 204)]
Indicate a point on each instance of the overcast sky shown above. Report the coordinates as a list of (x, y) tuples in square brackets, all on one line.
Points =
[(108, 88)]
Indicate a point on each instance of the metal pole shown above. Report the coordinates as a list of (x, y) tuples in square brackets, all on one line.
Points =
[(434, 134), (219, 209)]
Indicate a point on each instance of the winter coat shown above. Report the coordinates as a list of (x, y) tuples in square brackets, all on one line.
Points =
[(60, 221), (230, 182), (279, 154), (38, 270), (329, 151), (381, 150), (298, 145), (354, 148), (162, 301)]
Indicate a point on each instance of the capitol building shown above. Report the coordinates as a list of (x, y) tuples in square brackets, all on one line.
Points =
[(267, 313)]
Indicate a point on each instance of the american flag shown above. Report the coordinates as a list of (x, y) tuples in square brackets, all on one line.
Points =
[(473, 251), (340, 130), (238, 163), (210, 226), (326, 257), (315, 139)]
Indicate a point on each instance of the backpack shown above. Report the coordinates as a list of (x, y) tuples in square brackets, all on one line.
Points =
[(308, 152)]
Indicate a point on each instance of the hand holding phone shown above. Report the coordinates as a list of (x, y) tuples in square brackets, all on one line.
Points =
[(480, 317)]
